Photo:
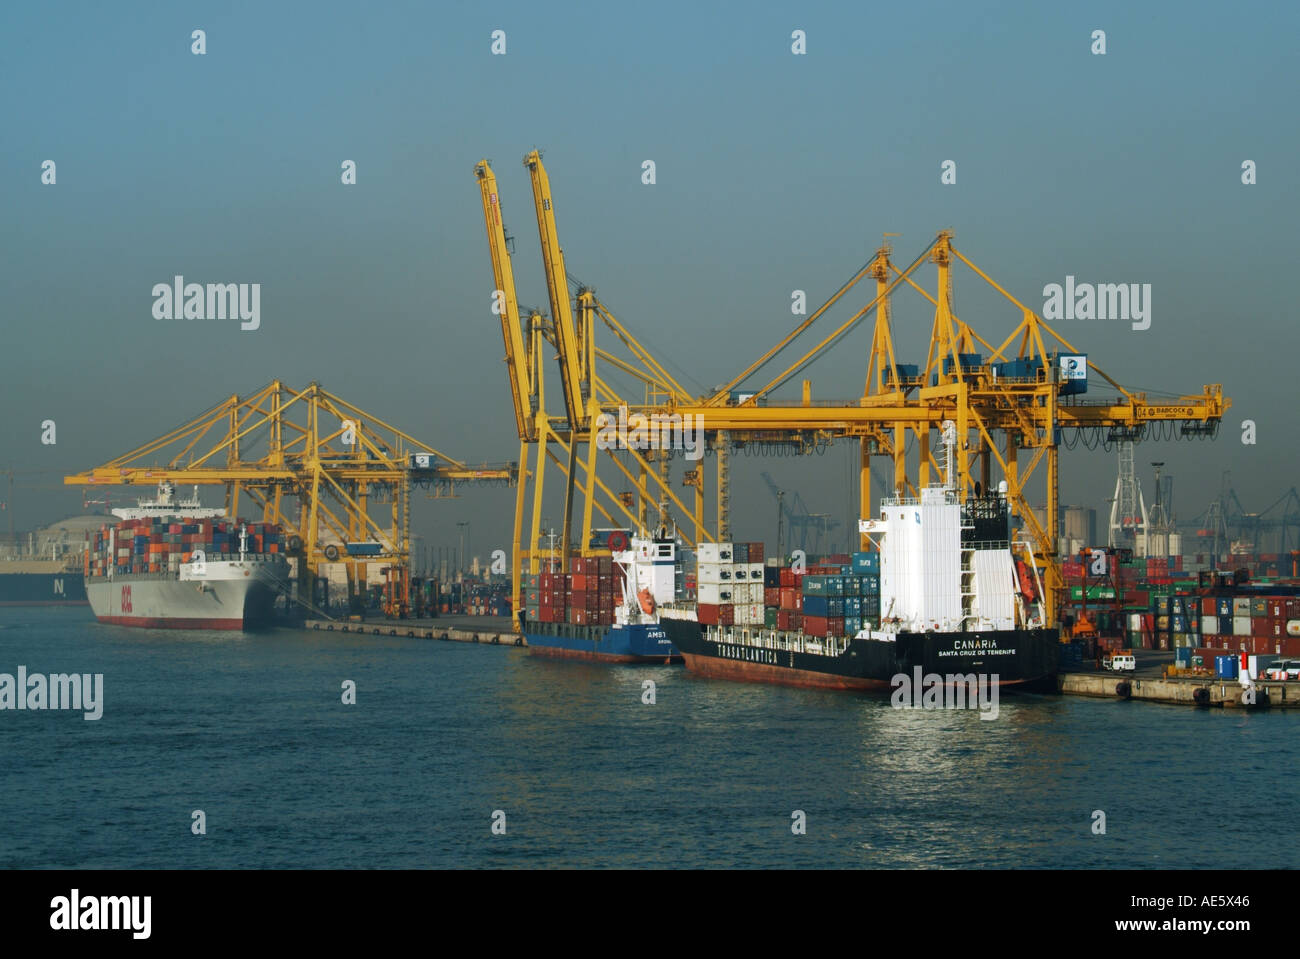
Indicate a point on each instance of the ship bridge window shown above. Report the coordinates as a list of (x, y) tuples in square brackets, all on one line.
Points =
[(665, 550)]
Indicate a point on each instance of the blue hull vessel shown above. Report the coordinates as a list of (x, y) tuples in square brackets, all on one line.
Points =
[(633, 643)]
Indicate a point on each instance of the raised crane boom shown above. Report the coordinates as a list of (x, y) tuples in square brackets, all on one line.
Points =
[(573, 375), (503, 274)]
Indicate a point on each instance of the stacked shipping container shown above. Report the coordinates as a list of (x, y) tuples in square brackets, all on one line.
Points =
[(731, 584), (155, 545), (584, 596), (835, 598)]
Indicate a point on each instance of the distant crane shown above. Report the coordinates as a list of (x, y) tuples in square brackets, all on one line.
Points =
[(806, 528), (1229, 526)]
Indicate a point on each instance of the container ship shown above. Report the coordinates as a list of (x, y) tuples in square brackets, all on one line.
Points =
[(42, 582), (176, 564), (607, 608), (942, 592), (47, 570)]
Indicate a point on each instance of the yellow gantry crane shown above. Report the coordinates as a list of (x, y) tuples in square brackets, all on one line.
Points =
[(1011, 403), (1018, 396), (338, 465), (570, 442)]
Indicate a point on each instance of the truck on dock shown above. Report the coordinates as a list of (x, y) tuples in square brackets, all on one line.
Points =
[(1120, 662)]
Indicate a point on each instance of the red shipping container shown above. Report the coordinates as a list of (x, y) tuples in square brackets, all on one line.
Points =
[(726, 615), (787, 576), (783, 619), (579, 617), (579, 582), (789, 598), (1209, 606), (835, 626), (772, 596), (707, 613), (796, 620)]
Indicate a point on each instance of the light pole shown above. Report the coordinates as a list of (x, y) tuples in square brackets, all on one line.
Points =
[(463, 526)]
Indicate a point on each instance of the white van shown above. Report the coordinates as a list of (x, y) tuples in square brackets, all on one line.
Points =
[(1120, 662)]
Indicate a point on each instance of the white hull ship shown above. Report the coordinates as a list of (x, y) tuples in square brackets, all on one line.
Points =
[(173, 564)]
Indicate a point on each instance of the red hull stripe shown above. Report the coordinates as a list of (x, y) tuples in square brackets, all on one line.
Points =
[(557, 653), (152, 622), (716, 668)]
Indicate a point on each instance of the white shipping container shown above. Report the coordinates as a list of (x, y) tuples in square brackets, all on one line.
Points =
[(714, 594), (709, 573), (714, 553), (1209, 625), (1241, 606), (1241, 625), (755, 572), (1135, 621), (756, 614)]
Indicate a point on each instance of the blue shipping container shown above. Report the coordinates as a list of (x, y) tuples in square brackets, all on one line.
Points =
[(866, 563), (816, 606)]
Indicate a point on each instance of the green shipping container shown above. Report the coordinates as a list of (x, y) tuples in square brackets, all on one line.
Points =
[(1094, 592), (815, 586)]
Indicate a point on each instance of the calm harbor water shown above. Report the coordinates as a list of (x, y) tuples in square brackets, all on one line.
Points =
[(251, 729)]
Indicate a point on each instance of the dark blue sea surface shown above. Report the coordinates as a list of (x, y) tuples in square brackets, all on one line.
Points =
[(251, 729)]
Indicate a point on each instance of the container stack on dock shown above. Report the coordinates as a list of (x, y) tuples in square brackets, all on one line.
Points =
[(1255, 623), (155, 545), (1131, 605)]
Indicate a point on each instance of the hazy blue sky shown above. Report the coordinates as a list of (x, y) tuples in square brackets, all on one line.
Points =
[(774, 172)]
